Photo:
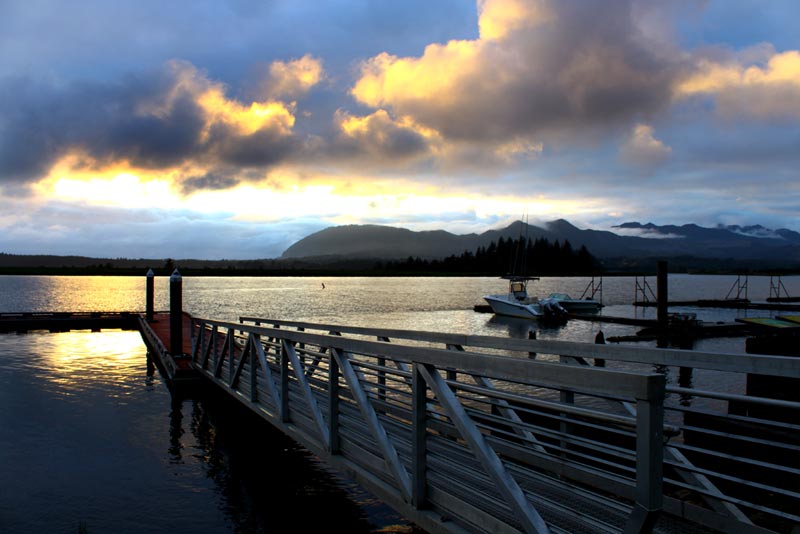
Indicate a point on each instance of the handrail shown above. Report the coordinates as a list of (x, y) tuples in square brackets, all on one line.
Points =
[(646, 386), (693, 470), (770, 365), (277, 361)]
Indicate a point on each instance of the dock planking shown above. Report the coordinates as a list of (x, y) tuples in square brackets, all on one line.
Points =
[(157, 336)]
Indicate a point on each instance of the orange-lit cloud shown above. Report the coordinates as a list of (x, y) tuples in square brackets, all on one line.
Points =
[(292, 79), (498, 18), (539, 70), (175, 124), (243, 119), (766, 88), (379, 135)]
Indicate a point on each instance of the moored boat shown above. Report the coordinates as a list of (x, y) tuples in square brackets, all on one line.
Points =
[(517, 302), (570, 304)]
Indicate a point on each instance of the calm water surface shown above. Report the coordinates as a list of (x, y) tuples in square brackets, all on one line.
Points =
[(91, 437)]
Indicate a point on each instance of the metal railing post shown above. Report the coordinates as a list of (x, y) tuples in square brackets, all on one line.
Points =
[(333, 403), (419, 454), (255, 338), (649, 460), (284, 408)]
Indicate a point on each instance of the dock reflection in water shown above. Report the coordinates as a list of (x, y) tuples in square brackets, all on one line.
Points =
[(92, 437)]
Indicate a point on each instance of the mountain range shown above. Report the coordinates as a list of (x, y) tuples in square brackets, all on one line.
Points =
[(627, 244)]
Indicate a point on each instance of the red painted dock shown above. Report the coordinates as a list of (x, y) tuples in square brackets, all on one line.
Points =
[(160, 326), (156, 334)]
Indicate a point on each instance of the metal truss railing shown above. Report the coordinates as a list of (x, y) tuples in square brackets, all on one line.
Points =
[(730, 461), (458, 441)]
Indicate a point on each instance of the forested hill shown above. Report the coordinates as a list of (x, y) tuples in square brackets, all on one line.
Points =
[(508, 256), (631, 246)]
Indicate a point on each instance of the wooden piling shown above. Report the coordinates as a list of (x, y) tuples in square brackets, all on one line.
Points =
[(150, 295), (662, 289), (176, 313)]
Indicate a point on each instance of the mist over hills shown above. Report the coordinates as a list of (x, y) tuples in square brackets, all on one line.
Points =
[(628, 245)]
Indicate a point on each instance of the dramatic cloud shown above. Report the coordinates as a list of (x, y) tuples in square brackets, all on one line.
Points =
[(451, 114), (162, 120), (537, 70), (293, 79), (766, 86), (643, 150), (382, 137)]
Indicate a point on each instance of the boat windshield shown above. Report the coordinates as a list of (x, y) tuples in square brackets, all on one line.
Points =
[(518, 289)]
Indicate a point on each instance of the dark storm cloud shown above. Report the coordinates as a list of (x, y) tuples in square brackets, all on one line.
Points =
[(210, 180), (151, 121), (377, 137), (41, 123), (260, 149)]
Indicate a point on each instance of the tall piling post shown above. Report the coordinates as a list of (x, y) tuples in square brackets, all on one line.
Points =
[(150, 295), (662, 289), (176, 313)]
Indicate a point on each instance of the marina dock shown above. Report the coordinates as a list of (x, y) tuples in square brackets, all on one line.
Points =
[(463, 433), (459, 439), (22, 323), (736, 304)]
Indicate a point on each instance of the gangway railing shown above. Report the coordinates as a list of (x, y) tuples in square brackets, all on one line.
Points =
[(458, 441), (643, 291), (592, 289), (740, 289), (732, 463)]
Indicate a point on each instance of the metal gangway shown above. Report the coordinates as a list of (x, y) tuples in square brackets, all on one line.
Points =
[(485, 434)]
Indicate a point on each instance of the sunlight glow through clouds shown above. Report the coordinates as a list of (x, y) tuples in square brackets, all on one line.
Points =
[(463, 117), (323, 201), (76, 177), (246, 120)]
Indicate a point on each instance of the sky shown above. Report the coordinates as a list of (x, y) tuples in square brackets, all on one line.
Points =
[(224, 129)]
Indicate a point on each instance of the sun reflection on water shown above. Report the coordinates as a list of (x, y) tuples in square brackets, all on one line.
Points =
[(72, 362)]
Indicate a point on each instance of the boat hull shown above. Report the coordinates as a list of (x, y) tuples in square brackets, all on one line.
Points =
[(502, 305), (576, 305)]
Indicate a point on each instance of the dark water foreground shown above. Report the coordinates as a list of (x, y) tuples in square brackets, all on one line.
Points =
[(92, 440)]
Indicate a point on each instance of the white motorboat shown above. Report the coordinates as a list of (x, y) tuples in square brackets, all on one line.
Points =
[(576, 305), (517, 303)]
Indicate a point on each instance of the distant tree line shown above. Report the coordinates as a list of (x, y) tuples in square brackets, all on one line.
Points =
[(504, 256), (507, 256)]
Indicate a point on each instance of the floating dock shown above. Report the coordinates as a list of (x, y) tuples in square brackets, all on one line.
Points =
[(737, 304), (22, 323)]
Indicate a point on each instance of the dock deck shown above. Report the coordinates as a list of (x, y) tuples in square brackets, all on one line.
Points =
[(156, 335), (460, 438), (484, 434)]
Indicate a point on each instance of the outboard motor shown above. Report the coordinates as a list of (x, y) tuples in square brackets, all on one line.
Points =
[(553, 311)]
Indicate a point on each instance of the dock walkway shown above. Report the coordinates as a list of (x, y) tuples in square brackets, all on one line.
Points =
[(468, 433), (459, 437)]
